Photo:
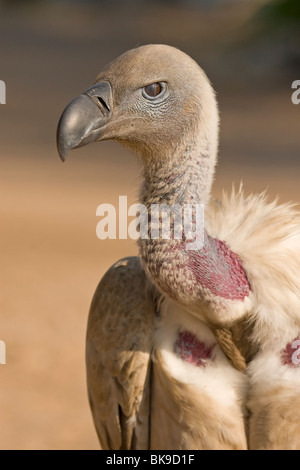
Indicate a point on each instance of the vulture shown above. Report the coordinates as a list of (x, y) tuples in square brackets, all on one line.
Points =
[(194, 344)]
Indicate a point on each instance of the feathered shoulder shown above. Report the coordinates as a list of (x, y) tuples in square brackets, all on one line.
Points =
[(266, 236)]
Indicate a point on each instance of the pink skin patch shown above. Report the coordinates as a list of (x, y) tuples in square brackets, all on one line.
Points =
[(191, 350), (214, 267), (290, 356), (218, 269)]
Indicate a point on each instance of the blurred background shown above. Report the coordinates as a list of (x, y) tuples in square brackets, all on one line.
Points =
[(51, 260)]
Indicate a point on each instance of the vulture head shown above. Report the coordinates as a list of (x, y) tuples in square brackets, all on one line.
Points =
[(154, 99)]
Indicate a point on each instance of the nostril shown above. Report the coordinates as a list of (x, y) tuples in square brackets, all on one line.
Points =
[(101, 101)]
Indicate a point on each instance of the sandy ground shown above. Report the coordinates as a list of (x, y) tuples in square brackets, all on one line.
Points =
[(51, 259)]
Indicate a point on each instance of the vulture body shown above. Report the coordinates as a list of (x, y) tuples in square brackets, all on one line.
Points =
[(189, 347)]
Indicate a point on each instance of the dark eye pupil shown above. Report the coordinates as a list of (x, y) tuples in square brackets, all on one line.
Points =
[(153, 90)]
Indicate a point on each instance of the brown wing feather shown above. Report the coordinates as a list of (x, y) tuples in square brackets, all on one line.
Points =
[(119, 343)]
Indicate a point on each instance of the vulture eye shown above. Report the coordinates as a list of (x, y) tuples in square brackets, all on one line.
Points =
[(153, 90)]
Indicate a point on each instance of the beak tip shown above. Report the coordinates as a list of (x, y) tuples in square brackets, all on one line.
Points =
[(82, 120), (61, 148)]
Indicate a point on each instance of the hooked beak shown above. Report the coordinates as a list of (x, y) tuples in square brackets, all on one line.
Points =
[(83, 119)]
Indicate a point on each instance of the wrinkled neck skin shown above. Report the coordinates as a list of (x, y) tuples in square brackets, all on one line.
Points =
[(204, 280), (185, 177)]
